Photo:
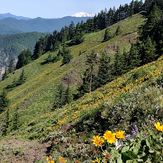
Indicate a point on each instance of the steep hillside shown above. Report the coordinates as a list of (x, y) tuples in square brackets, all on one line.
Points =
[(39, 75), (59, 130), (86, 115)]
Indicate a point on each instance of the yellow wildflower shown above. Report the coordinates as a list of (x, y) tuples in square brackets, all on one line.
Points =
[(158, 126), (50, 159), (97, 141), (96, 161), (62, 160), (120, 134), (109, 137)]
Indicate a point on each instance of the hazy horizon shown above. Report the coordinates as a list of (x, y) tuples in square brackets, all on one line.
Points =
[(53, 9)]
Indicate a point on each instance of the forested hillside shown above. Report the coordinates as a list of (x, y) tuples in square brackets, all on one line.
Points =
[(12, 45), (91, 92)]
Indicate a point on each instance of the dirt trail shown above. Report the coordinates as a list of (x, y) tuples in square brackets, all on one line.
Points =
[(20, 151)]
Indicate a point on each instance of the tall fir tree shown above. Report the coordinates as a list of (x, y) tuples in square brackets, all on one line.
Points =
[(134, 58), (104, 73), (24, 58), (118, 31), (59, 100), (119, 64), (40, 47), (66, 54), (3, 101), (89, 80), (21, 79), (5, 123), (15, 120), (148, 51), (68, 95), (153, 18), (107, 35)]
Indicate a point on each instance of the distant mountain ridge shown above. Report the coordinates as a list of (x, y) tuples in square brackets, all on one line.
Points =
[(8, 15), (11, 24)]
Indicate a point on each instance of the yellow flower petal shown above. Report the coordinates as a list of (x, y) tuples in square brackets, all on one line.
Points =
[(97, 141), (62, 160), (109, 137), (120, 134), (158, 126)]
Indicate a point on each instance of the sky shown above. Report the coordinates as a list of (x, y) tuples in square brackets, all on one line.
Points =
[(55, 8)]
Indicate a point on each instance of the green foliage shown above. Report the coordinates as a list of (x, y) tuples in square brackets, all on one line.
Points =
[(5, 123), (89, 79), (118, 31), (24, 58), (66, 54), (68, 95), (39, 48), (133, 59), (148, 51), (73, 34), (107, 35), (160, 80), (51, 59), (119, 64), (4, 102), (21, 80), (15, 120), (153, 20), (78, 39), (62, 97), (149, 45), (144, 148), (104, 72)]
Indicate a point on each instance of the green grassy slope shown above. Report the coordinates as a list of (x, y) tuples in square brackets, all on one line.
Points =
[(35, 97)]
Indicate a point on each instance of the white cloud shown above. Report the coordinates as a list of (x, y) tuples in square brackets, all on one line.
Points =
[(83, 14)]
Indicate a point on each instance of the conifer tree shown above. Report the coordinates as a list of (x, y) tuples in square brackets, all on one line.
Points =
[(3, 101), (40, 47), (89, 80), (148, 51), (59, 100), (104, 73), (119, 64), (66, 55), (107, 35), (133, 59), (15, 120), (68, 95), (154, 17), (118, 31), (5, 123), (24, 58), (21, 79)]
